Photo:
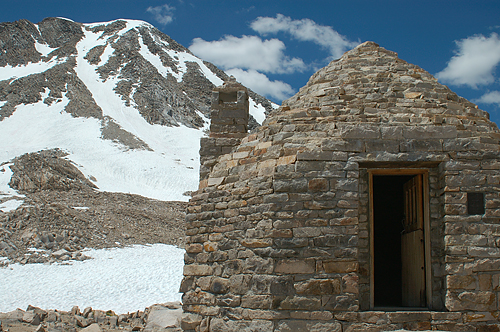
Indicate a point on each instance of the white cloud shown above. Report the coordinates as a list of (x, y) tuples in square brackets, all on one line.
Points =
[(261, 84), (492, 97), (474, 63), (305, 30), (163, 14), (248, 52)]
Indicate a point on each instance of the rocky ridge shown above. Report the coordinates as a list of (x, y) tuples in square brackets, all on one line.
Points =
[(150, 72)]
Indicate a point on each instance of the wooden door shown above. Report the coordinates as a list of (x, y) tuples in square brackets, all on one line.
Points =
[(412, 245)]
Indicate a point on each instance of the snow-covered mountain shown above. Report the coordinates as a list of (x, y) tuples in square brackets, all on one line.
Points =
[(124, 101)]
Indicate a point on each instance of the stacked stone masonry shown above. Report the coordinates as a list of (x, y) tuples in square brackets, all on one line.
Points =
[(228, 125), (279, 237)]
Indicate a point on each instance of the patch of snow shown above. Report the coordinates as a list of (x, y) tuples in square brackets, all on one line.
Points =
[(10, 205), (156, 62), (257, 111), (106, 54), (67, 19), (80, 207), (36, 250), (147, 173), (181, 58), (120, 279), (3, 103), (9, 72), (43, 49), (131, 24), (6, 174)]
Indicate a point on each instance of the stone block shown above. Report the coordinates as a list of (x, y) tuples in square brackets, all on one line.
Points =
[(289, 243), (291, 185), (343, 145), (409, 316), (342, 302), (307, 325), (219, 285), (256, 301), (318, 184), (392, 133), (460, 282), (258, 265), (282, 286), (480, 317), (197, 270), (360, 131), (301, 303), (315, 155), (295, 266), (286, 160), (194, 248), (307, 166), (318, 287), (228, 300), (255, 325), (382, 145), (306, 232), (350, 283), (424, 145), (239, 284), (426, 132), (215, 181), (340, 267), (256, 243), (470, 300), (198, 297)]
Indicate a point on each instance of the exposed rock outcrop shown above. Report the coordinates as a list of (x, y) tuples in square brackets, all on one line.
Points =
[(156, 318), (62, 214), (125, 51)]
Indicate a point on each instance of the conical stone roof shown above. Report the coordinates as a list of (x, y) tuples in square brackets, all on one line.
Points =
[(368, 102), (371, 84)]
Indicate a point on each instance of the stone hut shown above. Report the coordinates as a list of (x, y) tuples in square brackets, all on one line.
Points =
[(369, 201)]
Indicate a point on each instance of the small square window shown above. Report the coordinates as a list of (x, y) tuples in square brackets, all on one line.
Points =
[(475, 203)]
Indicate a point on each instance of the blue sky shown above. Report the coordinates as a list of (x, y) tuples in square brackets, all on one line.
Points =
[(275, 46)]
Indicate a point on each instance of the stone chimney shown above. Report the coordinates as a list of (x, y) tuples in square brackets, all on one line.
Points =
[(229, 124)]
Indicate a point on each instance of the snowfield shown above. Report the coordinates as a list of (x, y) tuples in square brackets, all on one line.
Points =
[(121, 279)]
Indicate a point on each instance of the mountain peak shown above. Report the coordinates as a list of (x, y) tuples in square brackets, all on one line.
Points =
[(121, 86)]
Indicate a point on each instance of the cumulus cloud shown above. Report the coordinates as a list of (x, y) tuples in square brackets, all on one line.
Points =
[(261, 84), (163, 14), (305, 30), (474, 63), (247, 52), (492, 97)]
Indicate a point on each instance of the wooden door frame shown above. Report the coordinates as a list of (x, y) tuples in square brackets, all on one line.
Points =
[(426, 217)]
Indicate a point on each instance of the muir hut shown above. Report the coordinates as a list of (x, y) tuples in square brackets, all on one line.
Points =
[(369, 201)]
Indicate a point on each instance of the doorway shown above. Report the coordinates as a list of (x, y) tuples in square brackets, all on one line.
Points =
[(398, 214)]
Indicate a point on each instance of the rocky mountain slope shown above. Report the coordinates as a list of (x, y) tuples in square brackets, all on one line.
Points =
[(99, 130), (126, 102), (62, 213)]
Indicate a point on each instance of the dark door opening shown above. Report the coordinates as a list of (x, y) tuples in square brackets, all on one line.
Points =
[(399, 276)]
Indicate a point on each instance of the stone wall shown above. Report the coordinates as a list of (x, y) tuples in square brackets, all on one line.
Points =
[(228, 125), (279, 239)]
